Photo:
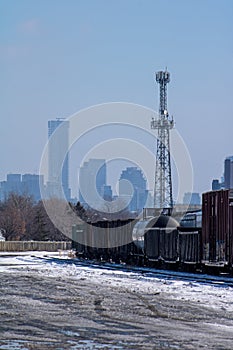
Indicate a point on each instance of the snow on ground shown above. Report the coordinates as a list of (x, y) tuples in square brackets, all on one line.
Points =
[(218, 296)]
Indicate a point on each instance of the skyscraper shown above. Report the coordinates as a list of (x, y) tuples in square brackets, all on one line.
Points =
[(92, 181), (137, 191), (58, 158), (228, 172)]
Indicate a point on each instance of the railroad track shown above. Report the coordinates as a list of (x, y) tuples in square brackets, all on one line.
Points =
[(218, 281)]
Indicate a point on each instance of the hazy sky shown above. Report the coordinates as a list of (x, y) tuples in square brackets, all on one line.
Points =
[(57, 57)]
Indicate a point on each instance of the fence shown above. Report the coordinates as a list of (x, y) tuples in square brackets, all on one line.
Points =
[(23, 246)]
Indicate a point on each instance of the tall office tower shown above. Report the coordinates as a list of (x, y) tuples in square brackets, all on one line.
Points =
[(228, 172), (92, 180), (58, 158), (134, 187)]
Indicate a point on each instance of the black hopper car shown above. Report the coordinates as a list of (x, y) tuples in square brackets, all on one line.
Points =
[(200, 242)]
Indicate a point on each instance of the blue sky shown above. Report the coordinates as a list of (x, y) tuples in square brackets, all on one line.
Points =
[(57, 57)]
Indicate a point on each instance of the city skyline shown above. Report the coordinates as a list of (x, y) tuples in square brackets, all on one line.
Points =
[(57, 148), (56, 63), (22, 184)]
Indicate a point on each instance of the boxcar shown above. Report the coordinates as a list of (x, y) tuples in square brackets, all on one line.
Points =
[(217, 224)]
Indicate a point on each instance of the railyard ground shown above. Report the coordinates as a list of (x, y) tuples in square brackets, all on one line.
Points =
[(49, 304)]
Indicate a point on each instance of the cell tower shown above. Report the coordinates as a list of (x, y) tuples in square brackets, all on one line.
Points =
[(163, 181)]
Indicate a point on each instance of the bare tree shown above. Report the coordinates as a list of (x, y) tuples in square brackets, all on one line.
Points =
[(16, 216), (22, 219)]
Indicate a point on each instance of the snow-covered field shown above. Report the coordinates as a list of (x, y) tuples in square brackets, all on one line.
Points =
[(51, 302)]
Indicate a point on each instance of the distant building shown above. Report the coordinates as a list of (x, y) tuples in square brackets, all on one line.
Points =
[(107, 193), (226, 181), (228, 173), (192, 198), (27, 184), (58, 158), (133, 189), (31, 185), (92, 182), (12, 184), (216, 185)]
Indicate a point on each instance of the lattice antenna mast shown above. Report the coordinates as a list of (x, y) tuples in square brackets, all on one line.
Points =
[(163, 180)]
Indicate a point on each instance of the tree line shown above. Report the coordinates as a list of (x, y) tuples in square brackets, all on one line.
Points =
[(21, 219)]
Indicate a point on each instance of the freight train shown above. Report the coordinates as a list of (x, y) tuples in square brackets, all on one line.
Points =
[(200, 242)]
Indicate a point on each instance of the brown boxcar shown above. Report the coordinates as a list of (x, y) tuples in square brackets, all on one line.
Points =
[(217, 226)]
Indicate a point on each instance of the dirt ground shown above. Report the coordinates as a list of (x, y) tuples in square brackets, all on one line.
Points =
[(43, 312)]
